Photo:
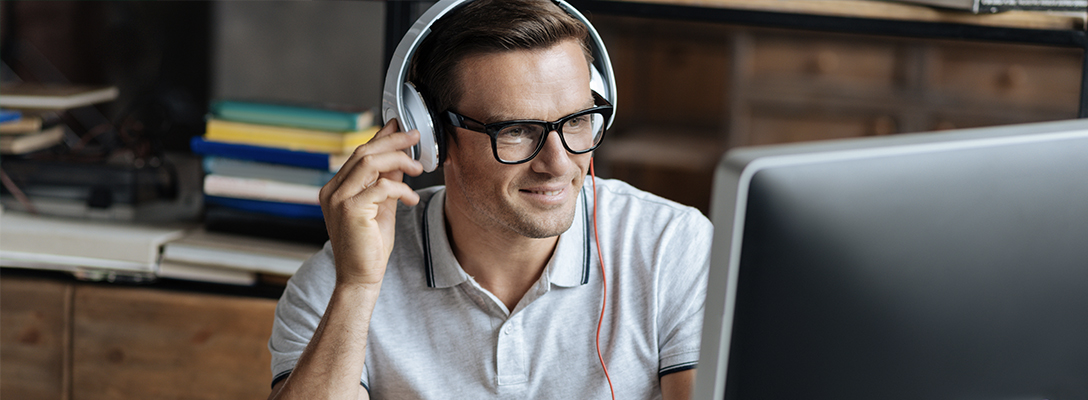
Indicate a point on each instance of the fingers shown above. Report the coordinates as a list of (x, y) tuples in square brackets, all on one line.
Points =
[(385, 189), (380, 158), (370, 168), (388, 139), (342, 202)]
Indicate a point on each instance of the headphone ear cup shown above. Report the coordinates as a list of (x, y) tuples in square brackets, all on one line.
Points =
[(439, 136), (417, 116)]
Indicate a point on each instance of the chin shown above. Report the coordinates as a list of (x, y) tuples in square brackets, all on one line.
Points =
[(544, 225)]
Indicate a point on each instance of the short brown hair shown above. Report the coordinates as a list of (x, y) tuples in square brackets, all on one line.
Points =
[(481, 27)]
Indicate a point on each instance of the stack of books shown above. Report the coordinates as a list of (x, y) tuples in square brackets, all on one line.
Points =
[(23, 132), (231, 259), (91, 249), (31, 120), (44, 176), (265, 164)]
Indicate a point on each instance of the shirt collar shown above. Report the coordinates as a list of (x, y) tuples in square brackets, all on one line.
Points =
[(568, 267)]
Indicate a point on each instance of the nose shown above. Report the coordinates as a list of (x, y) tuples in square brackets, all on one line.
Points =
[(553, 158)]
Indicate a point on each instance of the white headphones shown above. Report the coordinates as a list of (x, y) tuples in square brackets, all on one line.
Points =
[(402, 101)]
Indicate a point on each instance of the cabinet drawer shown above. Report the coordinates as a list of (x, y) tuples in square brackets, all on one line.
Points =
[(804, 60), (677, 165), (1028, 76), (773, 125), (33, 326), (155, 344), (958, 119), (685, 81), (667, 72)]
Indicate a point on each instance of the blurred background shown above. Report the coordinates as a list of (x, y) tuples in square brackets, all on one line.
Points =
[(689, 90), (692, 83)]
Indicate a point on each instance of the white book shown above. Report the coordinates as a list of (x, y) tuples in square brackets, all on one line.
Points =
[(260, 170), (204, 273), (260, 189), (29, 241), (55, 96), (238, 252)]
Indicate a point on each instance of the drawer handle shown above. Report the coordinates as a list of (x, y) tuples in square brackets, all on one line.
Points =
[(825, 62), (1013, 77), (883, 125)]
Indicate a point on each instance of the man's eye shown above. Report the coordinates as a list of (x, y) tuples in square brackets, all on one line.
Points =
[(516, 134)]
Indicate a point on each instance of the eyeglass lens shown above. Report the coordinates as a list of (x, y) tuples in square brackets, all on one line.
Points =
[(579, 133)]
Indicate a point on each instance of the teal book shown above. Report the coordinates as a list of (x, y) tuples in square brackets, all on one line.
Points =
[(325, 118)]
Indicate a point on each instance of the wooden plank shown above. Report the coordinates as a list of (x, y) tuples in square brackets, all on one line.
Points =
[(897, 11), (674, 164), (1028, 77), (135, 343), (33, 338)]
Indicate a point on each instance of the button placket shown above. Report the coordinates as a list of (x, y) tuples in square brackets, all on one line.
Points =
[(510, 350)]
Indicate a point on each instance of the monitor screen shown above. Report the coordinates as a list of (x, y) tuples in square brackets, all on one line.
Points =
[(925, 266)]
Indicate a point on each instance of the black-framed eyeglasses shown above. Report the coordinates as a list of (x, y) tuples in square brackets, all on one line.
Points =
[(518, 141)]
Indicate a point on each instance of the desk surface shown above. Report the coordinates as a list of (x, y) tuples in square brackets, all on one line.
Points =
[(897, 11)]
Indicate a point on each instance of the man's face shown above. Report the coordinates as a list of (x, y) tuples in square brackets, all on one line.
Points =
[(535, 199)]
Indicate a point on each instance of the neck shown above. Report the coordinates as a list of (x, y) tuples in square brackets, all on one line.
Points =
[(503, 262)]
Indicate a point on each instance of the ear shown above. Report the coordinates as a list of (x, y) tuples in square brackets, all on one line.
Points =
[(449, 150)]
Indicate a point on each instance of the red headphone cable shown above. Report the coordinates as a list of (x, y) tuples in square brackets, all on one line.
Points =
[(604, 280)]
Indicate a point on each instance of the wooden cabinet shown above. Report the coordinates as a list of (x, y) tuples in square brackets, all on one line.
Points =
[(700, 88), (34, 338), (69, 340)]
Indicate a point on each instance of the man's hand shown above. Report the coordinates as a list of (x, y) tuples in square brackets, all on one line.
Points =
[(360, 204)]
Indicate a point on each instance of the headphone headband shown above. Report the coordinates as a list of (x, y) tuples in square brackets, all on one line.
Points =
[(400, 99)]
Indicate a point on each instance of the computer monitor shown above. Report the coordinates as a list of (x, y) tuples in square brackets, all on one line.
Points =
[(947, 265)]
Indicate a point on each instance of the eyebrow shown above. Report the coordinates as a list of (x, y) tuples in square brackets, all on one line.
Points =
[(499, 117)]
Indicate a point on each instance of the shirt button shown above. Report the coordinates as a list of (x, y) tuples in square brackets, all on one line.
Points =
[(507, 330)]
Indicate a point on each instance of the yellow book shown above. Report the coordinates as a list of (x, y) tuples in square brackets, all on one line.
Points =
[(26, 124), (287, 138)]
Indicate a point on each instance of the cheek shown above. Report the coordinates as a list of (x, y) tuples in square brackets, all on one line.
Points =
[(473, 167)]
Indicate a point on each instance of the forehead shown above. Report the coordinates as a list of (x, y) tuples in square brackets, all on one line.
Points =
[(525, 84)]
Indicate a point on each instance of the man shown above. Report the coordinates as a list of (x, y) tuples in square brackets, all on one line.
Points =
[(493, 288)]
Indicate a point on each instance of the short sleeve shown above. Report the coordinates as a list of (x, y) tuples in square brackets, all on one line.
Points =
[(300, 309), (684, 261)]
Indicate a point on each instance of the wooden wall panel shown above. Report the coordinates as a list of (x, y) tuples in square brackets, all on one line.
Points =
[(1020, 76), (132, 343), (848, 66), (668, 73), (666, 163), (33, 338), (772, 125)]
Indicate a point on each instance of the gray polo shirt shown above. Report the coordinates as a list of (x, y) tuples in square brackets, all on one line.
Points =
[(436, 333)]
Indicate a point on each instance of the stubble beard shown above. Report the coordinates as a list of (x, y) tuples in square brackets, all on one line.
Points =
[(531, 224)]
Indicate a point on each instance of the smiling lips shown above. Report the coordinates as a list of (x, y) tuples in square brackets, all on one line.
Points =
[(545, 192)]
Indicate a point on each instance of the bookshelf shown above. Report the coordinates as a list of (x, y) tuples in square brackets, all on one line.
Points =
[(870, 18)]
